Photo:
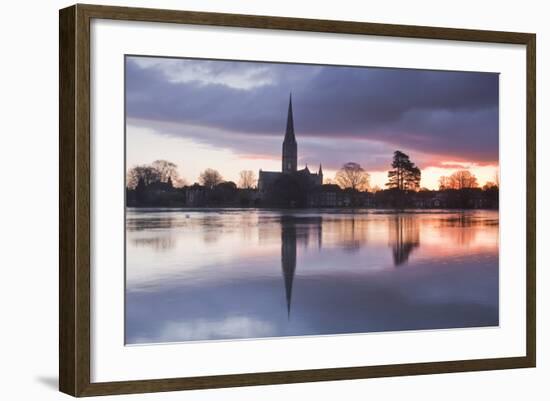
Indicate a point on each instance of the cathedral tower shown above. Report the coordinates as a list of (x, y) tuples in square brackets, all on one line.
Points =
[(290, 147)]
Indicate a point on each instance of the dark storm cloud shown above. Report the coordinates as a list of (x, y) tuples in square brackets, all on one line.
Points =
[(452, 114)]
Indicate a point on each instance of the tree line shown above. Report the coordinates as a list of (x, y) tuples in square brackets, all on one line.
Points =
[(404, 175), (163, 171), (160, 183)]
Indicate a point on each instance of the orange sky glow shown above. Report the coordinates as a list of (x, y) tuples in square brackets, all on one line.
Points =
[(192, 158)]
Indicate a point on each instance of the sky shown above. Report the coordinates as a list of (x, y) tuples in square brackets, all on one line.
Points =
[(231, 116)]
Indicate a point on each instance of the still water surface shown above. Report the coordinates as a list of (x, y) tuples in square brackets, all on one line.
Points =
[(245, 273)]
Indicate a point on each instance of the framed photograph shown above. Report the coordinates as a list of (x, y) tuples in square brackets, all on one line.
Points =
[(250, 200)]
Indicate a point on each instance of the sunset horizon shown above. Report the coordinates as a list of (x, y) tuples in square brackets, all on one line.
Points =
[(276, 200), (341, 114)]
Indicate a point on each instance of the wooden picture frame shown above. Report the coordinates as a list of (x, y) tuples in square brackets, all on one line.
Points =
[(75, 207)]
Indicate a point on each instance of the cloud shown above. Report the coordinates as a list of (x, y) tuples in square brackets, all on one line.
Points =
[(444, 114)]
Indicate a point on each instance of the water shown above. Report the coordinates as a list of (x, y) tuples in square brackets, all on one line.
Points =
[(220, 274)]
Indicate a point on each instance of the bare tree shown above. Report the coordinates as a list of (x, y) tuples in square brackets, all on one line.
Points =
[(353, 176), (247, 179), (210, 178), (462, 179), (147, 174), (444, 183), (166, 170), (489, 185)]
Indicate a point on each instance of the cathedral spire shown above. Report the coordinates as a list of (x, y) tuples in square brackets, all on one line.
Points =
[(290, 147), (289, 134)]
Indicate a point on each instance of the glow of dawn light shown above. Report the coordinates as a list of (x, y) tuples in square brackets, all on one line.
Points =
[(430, 175), (231, 116), (192, 158)]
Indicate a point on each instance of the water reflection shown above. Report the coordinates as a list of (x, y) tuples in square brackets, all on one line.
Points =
[(404, 237), (220, 274), (158, 243), (288, 257)]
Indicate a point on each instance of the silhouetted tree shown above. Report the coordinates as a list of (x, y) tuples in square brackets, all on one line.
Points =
[(169, 170), (227, 186), (461, 179), (247, 179), (166, 169), (444, 183), (489, 185), (158, 171), (353, 176), (140, 190), (405, 175), (224, 193), (210, 178), (147, 174)]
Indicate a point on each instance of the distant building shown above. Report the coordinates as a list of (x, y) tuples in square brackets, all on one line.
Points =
[(329, 195), (268, 180)]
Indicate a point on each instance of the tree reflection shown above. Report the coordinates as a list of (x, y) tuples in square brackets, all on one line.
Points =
[(157, 243), (351, 233), (464, 227), (404, 237), (146, 222)]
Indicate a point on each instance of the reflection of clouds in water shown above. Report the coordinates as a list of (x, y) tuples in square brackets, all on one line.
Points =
[(284, 273), (205, 329), (425, 296)]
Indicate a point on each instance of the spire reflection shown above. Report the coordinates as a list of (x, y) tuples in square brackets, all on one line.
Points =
[(296, 230), (288, 256)]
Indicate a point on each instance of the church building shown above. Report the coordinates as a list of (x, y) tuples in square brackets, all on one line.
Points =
[(268, 179)]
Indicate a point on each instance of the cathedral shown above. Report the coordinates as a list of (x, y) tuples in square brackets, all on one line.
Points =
[(268, 180)]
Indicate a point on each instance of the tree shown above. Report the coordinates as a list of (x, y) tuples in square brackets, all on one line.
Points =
[(247, 179), (147, 174), (210, 178), (376, 189), (405, 175), (444, 183), (227, 186), (353, 176), (462, 179), (159, 170), (166, 170), (489, 185)]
